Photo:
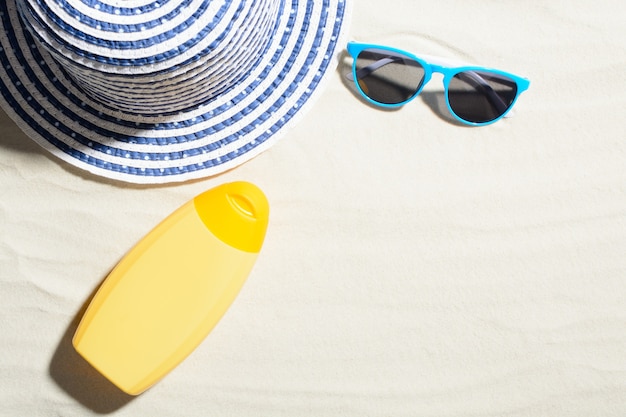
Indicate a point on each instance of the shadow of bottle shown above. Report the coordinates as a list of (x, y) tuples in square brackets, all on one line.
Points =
[(79, 379)]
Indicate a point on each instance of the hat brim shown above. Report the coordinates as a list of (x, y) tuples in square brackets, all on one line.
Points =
[(203, 141)]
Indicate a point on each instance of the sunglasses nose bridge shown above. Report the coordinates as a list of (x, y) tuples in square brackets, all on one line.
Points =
[(446, 72), (438, 69), (435, 68)]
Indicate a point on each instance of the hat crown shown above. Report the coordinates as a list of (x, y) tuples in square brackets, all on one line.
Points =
[(153, 57)]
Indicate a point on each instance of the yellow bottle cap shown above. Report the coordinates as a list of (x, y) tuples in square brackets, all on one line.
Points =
[(237, 213)]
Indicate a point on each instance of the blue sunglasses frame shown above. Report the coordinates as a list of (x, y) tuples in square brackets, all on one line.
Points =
[(433, 65)]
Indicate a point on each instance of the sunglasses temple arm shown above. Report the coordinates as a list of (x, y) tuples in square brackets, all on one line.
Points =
[(475, 79), (365, 71)]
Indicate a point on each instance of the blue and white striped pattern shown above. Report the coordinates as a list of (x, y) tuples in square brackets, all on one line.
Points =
[(163, 90)]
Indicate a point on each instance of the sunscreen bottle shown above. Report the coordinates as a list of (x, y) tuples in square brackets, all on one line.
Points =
[(172, 288)]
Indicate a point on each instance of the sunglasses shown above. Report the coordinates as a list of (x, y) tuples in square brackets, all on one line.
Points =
[(389, 77)]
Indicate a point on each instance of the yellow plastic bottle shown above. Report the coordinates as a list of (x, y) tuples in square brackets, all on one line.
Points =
[(173, 287)]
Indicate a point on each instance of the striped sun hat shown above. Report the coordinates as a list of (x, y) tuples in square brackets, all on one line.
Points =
[(155, 91)]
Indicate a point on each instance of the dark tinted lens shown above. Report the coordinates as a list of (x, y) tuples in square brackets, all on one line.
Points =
[(388, 77), (480, 96)]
